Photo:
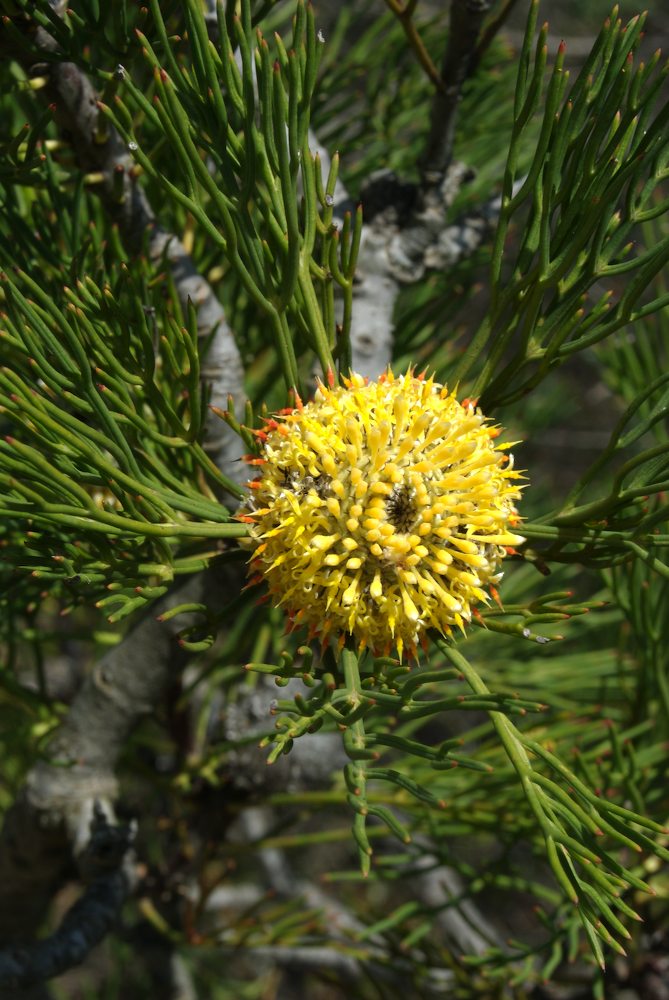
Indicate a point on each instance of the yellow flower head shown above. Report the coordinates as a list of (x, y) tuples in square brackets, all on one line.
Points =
[(383, 509)]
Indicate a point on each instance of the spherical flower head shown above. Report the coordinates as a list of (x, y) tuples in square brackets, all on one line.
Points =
[(383, 509)]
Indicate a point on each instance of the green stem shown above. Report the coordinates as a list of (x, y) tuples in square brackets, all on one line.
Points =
[(509, 738), (354, 742)]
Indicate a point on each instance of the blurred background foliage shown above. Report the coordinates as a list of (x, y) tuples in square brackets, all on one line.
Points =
[(586, 644)]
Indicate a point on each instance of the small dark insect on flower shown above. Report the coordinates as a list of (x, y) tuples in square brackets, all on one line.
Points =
[(301, 485)]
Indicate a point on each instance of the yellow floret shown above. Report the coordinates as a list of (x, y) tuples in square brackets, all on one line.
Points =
[(404, 476)]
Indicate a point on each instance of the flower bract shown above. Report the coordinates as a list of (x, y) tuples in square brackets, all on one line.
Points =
[(382, 509)]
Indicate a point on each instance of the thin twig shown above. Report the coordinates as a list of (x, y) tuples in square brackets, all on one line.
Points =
[(351, 967), (497, 20), (375, 290), (404, 15), (467, 16)]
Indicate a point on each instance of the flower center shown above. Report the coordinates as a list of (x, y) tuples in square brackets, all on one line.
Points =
[(401, 507)]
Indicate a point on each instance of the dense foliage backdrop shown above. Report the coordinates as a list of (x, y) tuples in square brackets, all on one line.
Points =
[(204, 209)]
